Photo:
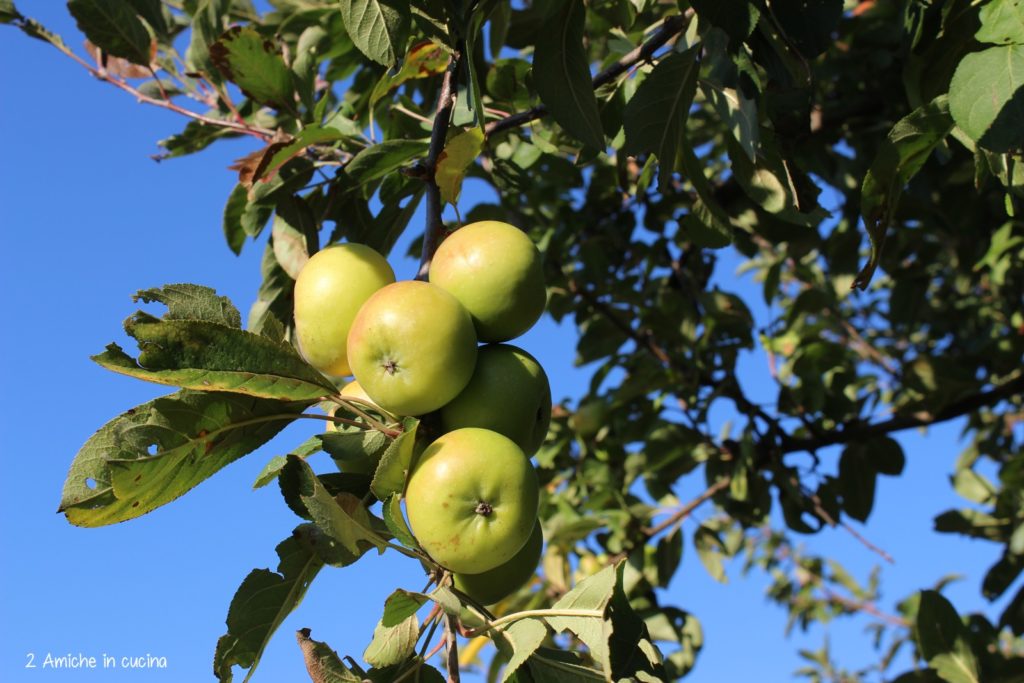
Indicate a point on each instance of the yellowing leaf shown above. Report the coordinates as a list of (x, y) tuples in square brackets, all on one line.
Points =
[(424, 59), (457, 156)]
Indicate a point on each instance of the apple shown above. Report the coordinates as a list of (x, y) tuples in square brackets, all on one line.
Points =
[(412, 347), (496, 272), (330, 288), (471, 498), (497, 584), (589, 417), (508, 393)]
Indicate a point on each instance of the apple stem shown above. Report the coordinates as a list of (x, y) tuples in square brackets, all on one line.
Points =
[(438, 136), (535, 613), (483, 508)]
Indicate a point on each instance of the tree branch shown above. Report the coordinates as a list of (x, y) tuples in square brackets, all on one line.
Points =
[(685, 511), (426, 171), (453, 650), (669, 28), (859, 431)]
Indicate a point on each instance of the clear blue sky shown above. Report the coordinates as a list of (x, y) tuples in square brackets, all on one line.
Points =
[(88, 218)]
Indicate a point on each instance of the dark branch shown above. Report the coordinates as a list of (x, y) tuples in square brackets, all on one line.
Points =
[(438, 136), (453, 650), (668, 30), (686, 510), (860, 431)]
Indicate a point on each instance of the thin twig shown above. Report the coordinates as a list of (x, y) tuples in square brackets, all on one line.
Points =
[(686, 510), (865, 607), (670, 27), (453, 650), (438, 136)]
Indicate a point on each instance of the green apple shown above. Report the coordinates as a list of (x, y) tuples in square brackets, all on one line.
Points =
[(505, 579), (330, 288), (412, 347), (471, 498), (496, 272), (508, 393)]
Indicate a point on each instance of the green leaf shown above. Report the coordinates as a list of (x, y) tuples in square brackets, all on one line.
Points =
[(557, 666), (706, 224), (593, 593), (669, 554), (943, 641), (524, 637), (274, 466), (1002, 22), (310, 135), (342, 518), (809, 24), (885, 455), (394, 638), (395, 521), (262, 602), (986, 97), (458, 155), (192, 302), (857, 482), (116, 477), (901, 155), (424, 59), (736, 17), (655, 118), (738, 112), (393, 469), (8, 13), (710, 550), (379, 28), (204, 356), (208, 22), (296, 234), (354, 449), (561, 73), (252, 62), (114, 27), (381, 159)]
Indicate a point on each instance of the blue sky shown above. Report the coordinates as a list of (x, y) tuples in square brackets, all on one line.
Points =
[(87, 219)]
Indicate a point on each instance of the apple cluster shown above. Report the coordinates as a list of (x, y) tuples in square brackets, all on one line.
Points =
[(415, 349)]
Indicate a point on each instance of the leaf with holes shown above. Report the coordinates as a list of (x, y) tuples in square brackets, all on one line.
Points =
[(193, 434)]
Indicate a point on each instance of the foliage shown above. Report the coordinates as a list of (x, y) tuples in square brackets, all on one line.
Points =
[(632, 138)]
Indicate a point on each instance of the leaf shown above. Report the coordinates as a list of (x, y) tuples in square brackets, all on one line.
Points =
[(943, 640), (857, 482), (901, 155), (593, 593), (561, 73), (8, 13), (252, 62), (192, 302), (205, 356), (424, 59), (296, 234), (322, 662), (524, 637), (114, 26), (389, 479), (395, 636), (242, 218), (194, 435), (262, 602), (395, 521), (354, 449), (342, 518), (378, 160), (986, 97), (707, 223), (458, 155), (736, 17), (274, 466), (208, 22), (669, 554), (379, 28), (809, 24), (310, 135), (655, 117), (1002, 22), (738, 112), (885, 455), (557, 666), (709, 549)]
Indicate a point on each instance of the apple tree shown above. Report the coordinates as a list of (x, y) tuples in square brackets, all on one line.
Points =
[(863, 160)]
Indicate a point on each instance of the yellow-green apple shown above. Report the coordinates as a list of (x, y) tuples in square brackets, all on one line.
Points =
[(495, 271), (508, 393), (471, 498), (329, 291), (412, 347), (497, 584)]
